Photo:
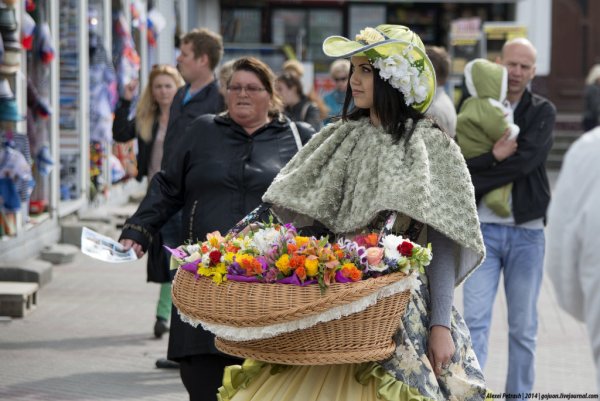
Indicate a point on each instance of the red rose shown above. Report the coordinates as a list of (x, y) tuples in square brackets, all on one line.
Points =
[(405, 249), (215, 257)]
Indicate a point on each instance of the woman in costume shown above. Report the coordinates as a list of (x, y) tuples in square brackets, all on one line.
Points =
[(384, 155)]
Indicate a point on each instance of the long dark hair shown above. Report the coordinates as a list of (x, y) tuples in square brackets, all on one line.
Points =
[(391, 108)]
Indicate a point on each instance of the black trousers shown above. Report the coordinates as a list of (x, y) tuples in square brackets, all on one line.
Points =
[(202, 375)]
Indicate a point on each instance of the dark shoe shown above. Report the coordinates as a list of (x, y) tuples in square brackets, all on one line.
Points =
[(164, 363), (160, 328)]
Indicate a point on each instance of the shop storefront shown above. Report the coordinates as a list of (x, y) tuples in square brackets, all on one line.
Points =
[(283, 29), (67, 61)]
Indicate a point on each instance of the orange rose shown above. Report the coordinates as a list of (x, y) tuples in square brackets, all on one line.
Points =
[(297, 261), (355, 275), (371, 239), (301, 273)]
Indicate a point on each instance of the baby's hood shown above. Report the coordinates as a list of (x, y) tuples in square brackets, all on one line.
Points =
[(485, 79)]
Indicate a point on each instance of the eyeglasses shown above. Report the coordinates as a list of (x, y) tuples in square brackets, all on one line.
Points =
[(340, 79), (250, 89)]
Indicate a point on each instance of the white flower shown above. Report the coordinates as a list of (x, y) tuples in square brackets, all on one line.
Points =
[(264, 239), (193, 257), (380, 267), (401, 73), (390, 245), (206, 259), (192, 248)]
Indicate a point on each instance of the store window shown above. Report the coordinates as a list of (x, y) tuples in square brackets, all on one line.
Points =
[(303, 30), (241, 25)]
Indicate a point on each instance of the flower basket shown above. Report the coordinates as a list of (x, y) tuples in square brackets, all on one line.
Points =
[(298, 325)]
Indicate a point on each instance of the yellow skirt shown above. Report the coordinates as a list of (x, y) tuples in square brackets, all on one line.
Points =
[(308, 383)]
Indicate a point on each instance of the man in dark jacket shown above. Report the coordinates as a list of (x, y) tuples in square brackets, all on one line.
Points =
[(514, 244), (201, 52)]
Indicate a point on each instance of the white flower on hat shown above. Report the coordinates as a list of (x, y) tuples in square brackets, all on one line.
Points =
[(403, 73), (370, 36)]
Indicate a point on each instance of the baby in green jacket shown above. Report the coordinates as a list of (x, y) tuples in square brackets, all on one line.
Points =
[(483, 119)]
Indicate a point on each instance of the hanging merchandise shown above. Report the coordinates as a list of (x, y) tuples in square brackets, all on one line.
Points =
[(103, 90), (70, 113), (97, 153), (27, 31), (43, 44), (30, 6), (156, 23), (38, 107), (11, 59), (9, 111), (125, 57), (15, 184)]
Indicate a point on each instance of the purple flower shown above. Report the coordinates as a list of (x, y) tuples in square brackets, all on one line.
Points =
[(263, 263), (340, 278), (178, 253), (190, 267), (235, 269), (271, 275)]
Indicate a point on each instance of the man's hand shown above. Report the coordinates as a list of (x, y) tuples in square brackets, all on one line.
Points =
[(440, 348), (504, 147), (129, 243)]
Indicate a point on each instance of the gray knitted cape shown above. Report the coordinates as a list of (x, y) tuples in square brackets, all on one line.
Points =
[(352, 171)]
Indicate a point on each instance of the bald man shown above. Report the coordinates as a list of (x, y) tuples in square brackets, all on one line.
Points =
[(514, 244)]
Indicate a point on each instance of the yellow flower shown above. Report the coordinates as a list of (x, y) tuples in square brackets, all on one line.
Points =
[(370, 36), (312, 266), (218, 278), (283, 264), (349, 266), (221, 268), (229, 257), (301, 241), (242, 258), (204, 271)]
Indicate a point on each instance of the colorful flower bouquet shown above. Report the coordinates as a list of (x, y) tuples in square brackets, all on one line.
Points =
[(278, 254), (353, 289)]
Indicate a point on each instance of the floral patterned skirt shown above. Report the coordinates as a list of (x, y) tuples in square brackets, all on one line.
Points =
[(407, 375)]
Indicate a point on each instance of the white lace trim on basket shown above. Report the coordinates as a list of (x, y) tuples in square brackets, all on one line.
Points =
[(256, 333)]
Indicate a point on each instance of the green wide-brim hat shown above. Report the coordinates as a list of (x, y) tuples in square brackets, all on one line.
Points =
[(392, 40)]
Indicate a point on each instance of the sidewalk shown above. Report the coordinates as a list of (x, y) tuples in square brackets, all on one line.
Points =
[(90, 338)]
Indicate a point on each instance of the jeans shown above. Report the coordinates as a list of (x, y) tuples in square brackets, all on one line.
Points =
[(519, 254)]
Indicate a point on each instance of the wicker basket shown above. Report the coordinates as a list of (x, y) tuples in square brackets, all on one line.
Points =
[(359, 337)]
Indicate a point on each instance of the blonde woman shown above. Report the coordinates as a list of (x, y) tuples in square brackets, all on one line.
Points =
[(150, 127)]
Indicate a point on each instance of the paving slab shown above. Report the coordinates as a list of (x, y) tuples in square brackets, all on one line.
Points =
[(29, 270), (59, 253)]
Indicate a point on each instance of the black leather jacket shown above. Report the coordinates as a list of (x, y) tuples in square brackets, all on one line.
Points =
[(526, 169)]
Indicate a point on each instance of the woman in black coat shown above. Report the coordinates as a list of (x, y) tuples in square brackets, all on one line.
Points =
[(150, 127), (221, 167)]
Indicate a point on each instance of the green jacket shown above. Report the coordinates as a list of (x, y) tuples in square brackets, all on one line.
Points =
[(482, 121)]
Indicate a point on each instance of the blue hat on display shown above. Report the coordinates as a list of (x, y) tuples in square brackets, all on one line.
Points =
[(9, 110)]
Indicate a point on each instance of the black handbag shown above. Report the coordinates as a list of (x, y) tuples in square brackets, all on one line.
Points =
[(157, 266)]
